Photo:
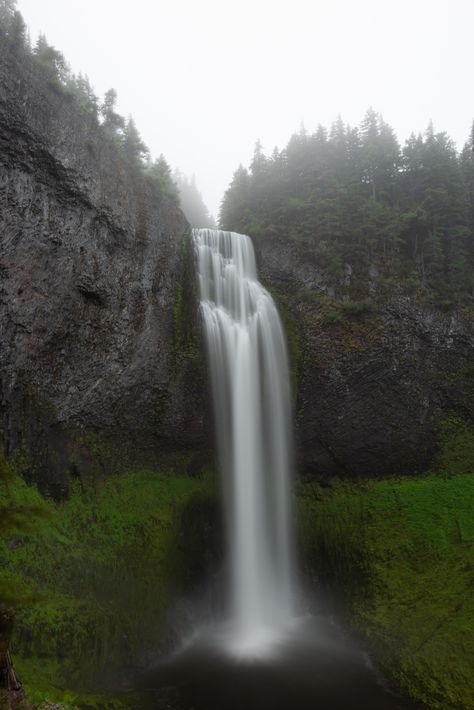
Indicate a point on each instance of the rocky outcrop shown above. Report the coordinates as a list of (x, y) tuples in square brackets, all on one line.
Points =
[(91, 262), (373, 385)]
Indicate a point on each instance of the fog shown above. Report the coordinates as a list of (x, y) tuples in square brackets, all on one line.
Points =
[(204, 80)]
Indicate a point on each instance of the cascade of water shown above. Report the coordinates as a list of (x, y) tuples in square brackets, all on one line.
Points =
[(251, 392)]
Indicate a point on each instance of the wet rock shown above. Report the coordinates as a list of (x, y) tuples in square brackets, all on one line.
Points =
[(372, 390), (91, 264)]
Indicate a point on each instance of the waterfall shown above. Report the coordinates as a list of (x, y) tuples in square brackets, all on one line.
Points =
[(251, 394)]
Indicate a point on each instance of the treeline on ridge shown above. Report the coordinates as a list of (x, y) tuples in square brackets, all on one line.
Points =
[(358, 201), (77, 88)]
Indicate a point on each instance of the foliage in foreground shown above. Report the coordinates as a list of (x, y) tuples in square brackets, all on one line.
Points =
[(401, 554), (94, 577)]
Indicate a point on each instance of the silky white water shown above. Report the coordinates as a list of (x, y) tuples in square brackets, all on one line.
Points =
[(251, 393)]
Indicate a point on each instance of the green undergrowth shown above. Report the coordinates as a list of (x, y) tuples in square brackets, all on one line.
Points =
[(332, 310), (401, 555), (94, 577)]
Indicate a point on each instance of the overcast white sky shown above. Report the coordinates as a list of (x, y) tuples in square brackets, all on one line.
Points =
[(205, 78)]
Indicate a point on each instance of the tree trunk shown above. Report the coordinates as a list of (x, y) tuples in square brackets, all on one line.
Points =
[(9, 680)]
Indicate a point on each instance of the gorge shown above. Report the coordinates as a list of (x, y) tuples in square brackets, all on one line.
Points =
[(109, 461)]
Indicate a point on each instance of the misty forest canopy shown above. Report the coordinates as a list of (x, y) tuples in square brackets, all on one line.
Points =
[(357, 199), (124, 133), (192, 203)]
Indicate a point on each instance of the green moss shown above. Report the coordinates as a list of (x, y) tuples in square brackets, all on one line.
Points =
[(333, 310), (331, 315), (45, 686), (401, 554), (357, 309), (95, 577), (291, 330), (456, 453)]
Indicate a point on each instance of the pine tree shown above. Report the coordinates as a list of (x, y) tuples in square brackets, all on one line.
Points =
[(13, 29), (85, 95), (7, 12), (112, 122), (259, 163), (133, 146), (467, 166), (235, 204), (160, 171), (192, 202), (380, 156), (52, 61), (354, 197)]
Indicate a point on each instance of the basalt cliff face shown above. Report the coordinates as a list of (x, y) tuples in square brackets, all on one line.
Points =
[(373, 386), (97, 362), (101, 363)]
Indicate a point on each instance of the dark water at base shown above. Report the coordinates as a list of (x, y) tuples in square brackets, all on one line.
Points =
[(314, 667)]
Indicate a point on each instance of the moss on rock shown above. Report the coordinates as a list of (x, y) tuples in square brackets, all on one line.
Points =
[(95, 577), (400, 552)]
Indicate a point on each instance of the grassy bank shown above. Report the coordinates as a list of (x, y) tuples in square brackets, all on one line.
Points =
[(400, 556), (93, 575)]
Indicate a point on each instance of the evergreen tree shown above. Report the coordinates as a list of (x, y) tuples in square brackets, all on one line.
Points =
[(12, 26), (134, 148), (380, 156), (192, 203), (467, 166), (52, 61), (7, 12), (160, 171), (259, 162), (235, 205), (112, 122), (85, 95), (355, 198)]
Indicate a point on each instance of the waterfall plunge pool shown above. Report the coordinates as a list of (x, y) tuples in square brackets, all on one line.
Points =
[(311, 665)]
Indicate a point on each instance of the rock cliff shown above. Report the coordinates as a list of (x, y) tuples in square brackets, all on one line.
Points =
[(101, 366), (376, 381), (96, 368)]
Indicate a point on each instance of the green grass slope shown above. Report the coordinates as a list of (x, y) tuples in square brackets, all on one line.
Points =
[(401, 555), (93, 576)]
